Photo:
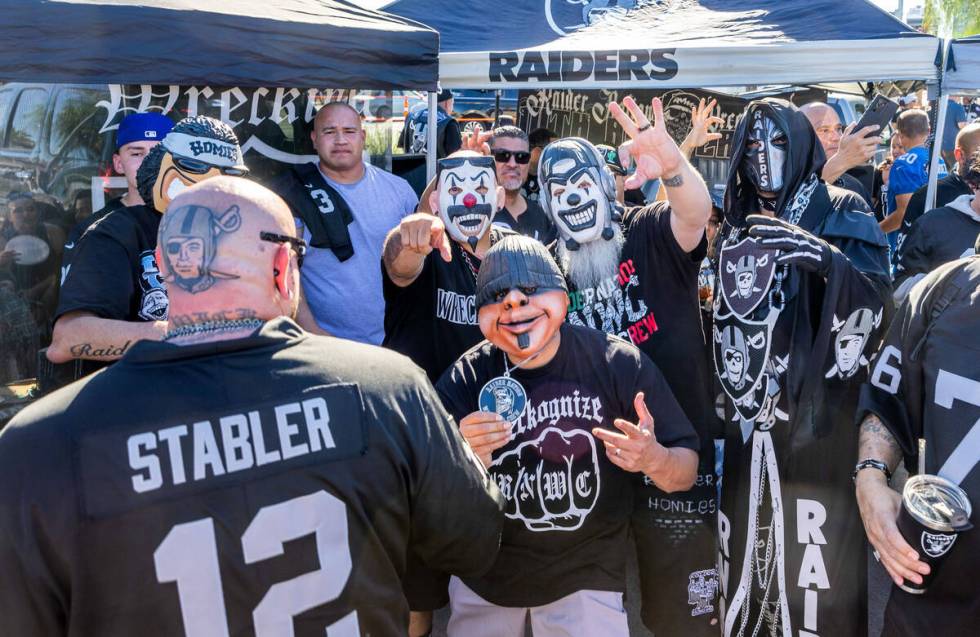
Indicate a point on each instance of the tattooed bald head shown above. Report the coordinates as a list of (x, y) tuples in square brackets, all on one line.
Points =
[(225, 254)]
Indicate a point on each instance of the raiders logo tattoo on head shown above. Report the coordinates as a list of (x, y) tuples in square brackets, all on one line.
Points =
[(467, 196), (188, 241)]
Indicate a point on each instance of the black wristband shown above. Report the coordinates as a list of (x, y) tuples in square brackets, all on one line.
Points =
[(871, 463)]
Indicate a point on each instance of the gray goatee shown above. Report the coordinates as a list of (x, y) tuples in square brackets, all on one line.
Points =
[(593, 262)]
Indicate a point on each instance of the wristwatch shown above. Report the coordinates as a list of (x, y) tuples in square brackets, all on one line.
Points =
[(871, 463)]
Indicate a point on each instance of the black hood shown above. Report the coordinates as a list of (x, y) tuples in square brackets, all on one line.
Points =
[(804, 157)]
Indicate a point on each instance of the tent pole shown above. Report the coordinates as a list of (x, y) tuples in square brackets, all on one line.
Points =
[(431, 152), (936, 152), (496, 107)]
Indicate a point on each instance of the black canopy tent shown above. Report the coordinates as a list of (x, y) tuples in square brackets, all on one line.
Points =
[(245, 43)]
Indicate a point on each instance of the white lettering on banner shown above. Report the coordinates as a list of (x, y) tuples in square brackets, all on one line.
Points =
[(810, 516), (229, 105), (578, 66), (456, 308), (301, 428)]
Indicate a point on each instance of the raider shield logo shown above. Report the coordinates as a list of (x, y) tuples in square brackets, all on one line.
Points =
[(746, 270), (741, 350)]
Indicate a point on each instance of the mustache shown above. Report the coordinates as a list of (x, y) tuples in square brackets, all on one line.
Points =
[(483, 209)]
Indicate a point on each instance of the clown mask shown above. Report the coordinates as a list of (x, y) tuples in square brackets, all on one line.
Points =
[(580, 192), (467, 197), (189, 159), (764, 161)]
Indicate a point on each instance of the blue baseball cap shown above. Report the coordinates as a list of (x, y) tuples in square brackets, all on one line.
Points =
[(143, 127)]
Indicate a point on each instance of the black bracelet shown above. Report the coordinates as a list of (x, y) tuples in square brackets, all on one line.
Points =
[(871, 463)]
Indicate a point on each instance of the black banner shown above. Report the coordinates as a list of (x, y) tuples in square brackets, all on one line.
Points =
[(571, 113)]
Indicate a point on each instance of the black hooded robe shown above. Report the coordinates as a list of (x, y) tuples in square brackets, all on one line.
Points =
[(792, 558)]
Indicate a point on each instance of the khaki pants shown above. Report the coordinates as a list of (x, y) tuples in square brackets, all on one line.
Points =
[(582, 614)]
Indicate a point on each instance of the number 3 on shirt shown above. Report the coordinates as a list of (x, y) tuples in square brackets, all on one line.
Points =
[(189, 557)]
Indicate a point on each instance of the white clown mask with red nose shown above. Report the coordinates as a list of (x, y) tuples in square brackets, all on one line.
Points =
[(467, 196)]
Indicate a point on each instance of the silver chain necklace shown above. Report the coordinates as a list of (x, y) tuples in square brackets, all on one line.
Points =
[(212, 327), (508, 369)]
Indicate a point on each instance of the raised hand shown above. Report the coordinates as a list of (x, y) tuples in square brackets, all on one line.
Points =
[(485, 432), (702, 121), (856, 148), (797, 246), (636, 448), (653, 150), (477, 140), (422, 233)]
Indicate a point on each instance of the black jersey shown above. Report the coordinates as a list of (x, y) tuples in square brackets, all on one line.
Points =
[(943, 235), (925, 383), (260, 486)]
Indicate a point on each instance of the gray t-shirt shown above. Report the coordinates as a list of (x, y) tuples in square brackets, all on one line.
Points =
[(346, 298)]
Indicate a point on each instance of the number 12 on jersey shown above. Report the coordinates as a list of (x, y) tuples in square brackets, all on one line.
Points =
[(188, 556)]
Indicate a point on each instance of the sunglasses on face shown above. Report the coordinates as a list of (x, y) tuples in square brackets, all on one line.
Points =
[(503, 156), (298, 244), (197, 167)]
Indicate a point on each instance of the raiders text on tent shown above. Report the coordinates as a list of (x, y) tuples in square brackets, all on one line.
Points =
[(234, 443), (578, 66)]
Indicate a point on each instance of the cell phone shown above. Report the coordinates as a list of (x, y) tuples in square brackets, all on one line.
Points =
[(880, 111)]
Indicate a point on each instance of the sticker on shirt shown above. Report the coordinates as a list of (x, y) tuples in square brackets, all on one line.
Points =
[(550, 483), (851, 337), (747, 270), (154, 304), (505, 396), (702, 588)]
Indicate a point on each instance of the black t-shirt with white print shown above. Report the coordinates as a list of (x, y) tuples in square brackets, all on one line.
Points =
[(433, 320), (652, 301), (112, 272), (568, 506), (925, 383)]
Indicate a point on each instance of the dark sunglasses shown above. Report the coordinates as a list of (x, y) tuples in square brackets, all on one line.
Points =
[(298, 244), (198, 167), (503, 156)]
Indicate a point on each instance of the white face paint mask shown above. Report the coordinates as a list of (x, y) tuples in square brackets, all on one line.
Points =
[(579, 207), (467, 197)]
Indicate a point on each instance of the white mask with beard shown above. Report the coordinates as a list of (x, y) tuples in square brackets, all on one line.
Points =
[(467, 197), (579, 207), (593, 262)]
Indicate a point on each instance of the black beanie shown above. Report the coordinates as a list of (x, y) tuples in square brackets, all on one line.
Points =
[(516, 261)]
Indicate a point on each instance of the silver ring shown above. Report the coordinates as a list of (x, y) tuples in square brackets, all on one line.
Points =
[(617, 451), (877, 555), (646, 126)]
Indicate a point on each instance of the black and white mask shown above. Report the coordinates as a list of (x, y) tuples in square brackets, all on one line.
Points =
[(764, 161), (467, 196), (578, 191)]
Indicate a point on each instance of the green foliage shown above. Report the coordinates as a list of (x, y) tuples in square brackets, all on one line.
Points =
[(951, 18)]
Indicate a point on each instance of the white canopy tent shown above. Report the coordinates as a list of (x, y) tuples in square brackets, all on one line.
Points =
[(670, 43)]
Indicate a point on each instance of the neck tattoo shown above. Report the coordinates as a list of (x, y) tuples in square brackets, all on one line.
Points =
[(214, 327)]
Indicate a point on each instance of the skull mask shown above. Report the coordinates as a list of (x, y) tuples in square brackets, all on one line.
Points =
[(467, 196), (764, 160)]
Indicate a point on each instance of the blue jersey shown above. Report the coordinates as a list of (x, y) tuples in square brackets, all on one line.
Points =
[(909, 173)]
